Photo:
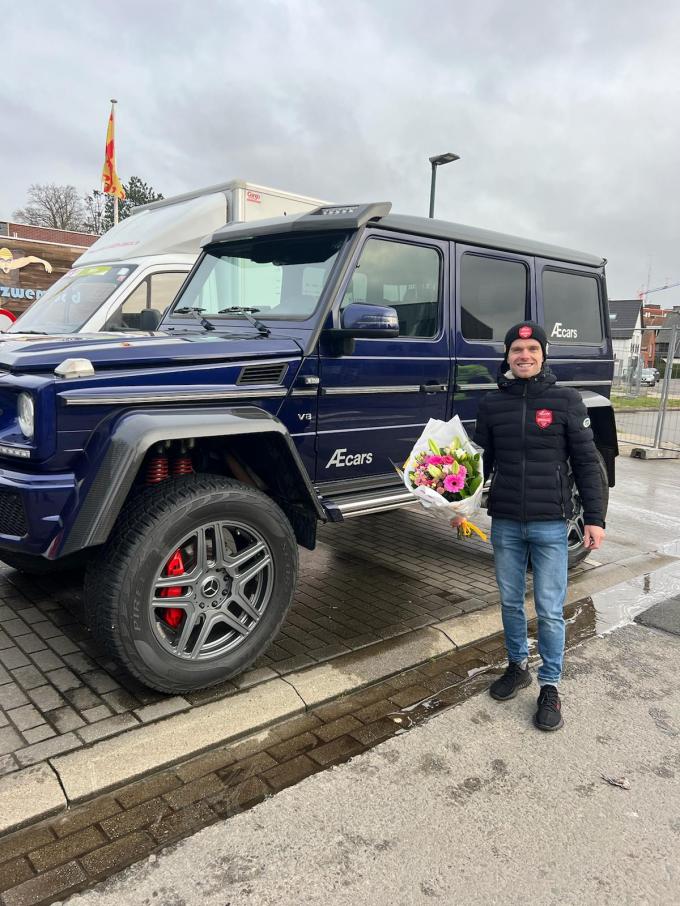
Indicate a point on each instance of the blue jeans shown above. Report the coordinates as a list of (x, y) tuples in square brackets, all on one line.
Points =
[(547, 543)]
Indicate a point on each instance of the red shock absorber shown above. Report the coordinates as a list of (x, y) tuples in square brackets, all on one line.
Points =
[(157, 469), (182, 464)]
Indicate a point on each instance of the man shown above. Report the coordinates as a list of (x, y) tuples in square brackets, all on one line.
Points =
[(530, 430)]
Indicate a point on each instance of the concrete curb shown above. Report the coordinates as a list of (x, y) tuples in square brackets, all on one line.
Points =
[(28, 795), (39, 791)]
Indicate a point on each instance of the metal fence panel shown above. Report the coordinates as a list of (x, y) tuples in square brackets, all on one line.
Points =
[(646, 388)]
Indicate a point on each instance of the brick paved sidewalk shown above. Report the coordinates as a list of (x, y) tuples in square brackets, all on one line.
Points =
[(369, 579)]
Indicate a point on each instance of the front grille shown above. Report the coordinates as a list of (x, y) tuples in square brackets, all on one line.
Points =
[(262, 374), (12, 514)]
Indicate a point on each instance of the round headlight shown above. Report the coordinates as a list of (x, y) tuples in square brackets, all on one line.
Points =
[(26, 414)]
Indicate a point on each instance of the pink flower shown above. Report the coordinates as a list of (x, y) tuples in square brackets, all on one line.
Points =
[(455, 483), (434, 460), (447, 460)]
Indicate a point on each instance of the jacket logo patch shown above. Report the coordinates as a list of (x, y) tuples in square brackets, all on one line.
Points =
[(525, 332), (544, 418), (586, 423)]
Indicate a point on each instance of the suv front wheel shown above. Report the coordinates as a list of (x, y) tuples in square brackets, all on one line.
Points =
[(194, 583)]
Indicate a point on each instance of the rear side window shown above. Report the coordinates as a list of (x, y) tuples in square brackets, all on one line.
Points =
[(493, 296), (571, 307), (405, 277)]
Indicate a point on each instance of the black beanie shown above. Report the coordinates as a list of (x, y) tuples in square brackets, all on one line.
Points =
[(527, 330)]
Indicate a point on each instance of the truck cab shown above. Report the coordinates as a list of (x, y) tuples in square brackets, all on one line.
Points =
[(301, 359)]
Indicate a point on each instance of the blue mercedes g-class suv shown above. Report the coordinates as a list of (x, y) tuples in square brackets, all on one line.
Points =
[(301, 357)]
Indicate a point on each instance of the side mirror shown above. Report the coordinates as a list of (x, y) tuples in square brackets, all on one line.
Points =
[(362, 320)]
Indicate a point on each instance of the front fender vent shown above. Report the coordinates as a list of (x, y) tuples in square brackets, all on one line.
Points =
[(263, 374)]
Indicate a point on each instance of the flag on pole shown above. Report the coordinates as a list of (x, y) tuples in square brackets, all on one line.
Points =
[(110, 181)]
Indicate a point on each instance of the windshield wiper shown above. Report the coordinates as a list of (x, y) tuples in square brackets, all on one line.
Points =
[(258, 325), (42, 333), (196, 312)]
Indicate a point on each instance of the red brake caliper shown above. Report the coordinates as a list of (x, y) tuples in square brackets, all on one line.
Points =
[(173, 615)]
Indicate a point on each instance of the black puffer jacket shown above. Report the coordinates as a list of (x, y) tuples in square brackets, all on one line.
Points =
[(530, 428)]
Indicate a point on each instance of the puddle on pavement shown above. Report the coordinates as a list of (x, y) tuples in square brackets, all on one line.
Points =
[(618, 606)]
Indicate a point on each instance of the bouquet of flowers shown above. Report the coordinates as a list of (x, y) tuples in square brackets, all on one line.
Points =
[(444, 471)]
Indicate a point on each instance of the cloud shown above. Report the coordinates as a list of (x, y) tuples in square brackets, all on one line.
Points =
[(565, 115)]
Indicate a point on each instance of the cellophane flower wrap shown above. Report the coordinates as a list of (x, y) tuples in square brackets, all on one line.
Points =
[(444, 470)]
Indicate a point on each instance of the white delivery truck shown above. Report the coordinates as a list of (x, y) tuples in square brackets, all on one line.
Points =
[(129, 276)]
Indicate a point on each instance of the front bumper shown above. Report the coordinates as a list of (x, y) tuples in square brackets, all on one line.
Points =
[(32, 509)]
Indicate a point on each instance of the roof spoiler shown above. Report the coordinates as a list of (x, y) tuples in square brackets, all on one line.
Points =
[(327, 217)]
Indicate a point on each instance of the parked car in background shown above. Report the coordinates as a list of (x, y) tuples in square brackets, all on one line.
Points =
[(127, 279), (649, 377)]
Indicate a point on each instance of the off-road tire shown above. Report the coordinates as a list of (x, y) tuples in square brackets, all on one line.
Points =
[(39, 566), (119, 581), (578, 553)]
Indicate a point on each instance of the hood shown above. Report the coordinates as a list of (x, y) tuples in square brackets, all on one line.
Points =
[(506, 380), (37, 353)]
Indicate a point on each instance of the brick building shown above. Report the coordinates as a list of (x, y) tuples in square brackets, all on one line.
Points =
[(32, 258)]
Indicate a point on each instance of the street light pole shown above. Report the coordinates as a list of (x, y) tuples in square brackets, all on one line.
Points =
[(432, 185), (437, 161)]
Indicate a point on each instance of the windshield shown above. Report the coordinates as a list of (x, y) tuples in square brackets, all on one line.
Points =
[(73, 299), (279, 277)]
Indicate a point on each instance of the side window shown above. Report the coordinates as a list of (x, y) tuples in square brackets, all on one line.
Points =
[(130, 309), (153, 295), (406, 277), (571, 307), (493, 296), (164, 288)]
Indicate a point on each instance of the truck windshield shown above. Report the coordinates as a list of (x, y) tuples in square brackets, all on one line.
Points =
[(73, 299), (280, 277)]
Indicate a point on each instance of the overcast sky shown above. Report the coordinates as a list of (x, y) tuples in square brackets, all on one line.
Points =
[(565, 115)]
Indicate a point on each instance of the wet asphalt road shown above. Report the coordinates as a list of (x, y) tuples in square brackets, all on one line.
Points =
[(644, 511)]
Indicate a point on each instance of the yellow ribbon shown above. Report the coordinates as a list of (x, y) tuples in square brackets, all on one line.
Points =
[(465, 529)]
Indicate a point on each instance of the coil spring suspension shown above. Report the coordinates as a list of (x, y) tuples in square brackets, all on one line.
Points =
[(182, 466), (157, 470)]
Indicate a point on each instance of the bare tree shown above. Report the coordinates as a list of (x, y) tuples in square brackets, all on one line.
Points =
[(95, 212), (52, 206)]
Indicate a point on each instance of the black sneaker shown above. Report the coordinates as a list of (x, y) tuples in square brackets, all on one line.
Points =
[(506, 686), (549, 714)]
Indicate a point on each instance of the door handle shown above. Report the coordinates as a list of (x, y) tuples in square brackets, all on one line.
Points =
[(434, 388)]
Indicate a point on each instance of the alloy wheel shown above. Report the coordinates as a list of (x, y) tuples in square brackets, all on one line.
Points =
[(576, 524), (212, 591)]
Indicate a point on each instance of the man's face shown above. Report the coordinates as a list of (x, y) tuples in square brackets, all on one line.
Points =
[(525, 358)]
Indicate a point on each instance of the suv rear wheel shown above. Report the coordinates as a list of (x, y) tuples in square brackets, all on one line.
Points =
[(576, 525), (194, 583)]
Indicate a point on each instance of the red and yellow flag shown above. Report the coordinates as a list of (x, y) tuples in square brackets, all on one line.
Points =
[(110, 181)]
